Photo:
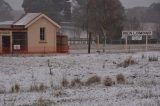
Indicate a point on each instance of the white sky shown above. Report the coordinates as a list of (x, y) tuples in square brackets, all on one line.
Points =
[(16, 4), (134, 3)]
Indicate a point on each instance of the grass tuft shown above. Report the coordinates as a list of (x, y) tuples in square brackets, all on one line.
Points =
[(65, 82), (93, 80), (108, 81), (120, 79)]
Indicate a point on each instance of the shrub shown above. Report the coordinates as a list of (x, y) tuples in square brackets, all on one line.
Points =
[(76, 82), (127, 62), (120, 79), (2, 89), (108, 81), (42, 102), (150, 59), (93, 80), (51, 83), (15, 88), (64, 82), (12, 89), (42, 87), (143, 56), (58, 93), (34, 88)]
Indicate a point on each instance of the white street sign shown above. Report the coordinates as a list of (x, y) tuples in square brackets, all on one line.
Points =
[(17, 47), (136, 37), (136, 33)]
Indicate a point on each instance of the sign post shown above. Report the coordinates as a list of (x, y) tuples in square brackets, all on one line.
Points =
[(89, 43), (146, 43), (137, 35), (126, 42)]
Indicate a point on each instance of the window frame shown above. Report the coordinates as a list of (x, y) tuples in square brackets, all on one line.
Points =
[(42, 33)]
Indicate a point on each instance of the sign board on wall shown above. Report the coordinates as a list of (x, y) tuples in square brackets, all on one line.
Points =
[(17, 47)]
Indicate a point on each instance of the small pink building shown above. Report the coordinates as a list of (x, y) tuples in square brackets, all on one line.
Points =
[(32, 33)]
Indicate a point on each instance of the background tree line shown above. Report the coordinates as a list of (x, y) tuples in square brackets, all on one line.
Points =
[(102, 17), (137, 15), (5, 11)]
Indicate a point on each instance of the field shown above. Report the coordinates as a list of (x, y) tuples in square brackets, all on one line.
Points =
[(37, 80)]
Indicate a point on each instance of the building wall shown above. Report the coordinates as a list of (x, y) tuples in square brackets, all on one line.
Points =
[(34, 43)]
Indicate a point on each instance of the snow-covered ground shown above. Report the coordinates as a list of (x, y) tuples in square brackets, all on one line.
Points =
[(142, 86)]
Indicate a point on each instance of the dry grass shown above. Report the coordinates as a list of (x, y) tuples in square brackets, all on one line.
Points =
[(108, 81), (150, 59), (65, 82), (42, 87), (15, 88), (34, 88), (2, 91), (143, 56), (76, 82), (127, 62), (120, 79), (57, 93), (93, 80), (37, 88), (12, 89)]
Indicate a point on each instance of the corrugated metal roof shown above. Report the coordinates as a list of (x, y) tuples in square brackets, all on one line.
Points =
[(27, 18)]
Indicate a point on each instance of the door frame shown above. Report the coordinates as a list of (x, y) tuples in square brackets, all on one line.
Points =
[(9, 45)]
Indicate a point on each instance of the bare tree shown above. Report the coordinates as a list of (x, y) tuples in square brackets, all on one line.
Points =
[(104, 17), (158, 31), (5, 11), (132, 23)]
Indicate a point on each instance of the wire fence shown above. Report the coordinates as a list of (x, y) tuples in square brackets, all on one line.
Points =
[(114, 48)]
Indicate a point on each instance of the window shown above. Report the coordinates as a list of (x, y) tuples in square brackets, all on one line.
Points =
[(42, 34)]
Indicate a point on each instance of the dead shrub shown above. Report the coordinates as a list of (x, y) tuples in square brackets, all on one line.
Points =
[(93, 80), (64, 82), (34, 88), (42, 87), (120, 79), (108, 81), (12, 89), (58, 93), (76, 82), (2, 89), (153, 58), (143, 56), (127, 62), (42, 102), (15, 88)]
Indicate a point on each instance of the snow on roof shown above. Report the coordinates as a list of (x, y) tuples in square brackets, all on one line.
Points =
[(6, 24), (27, 18), (30, 18)]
